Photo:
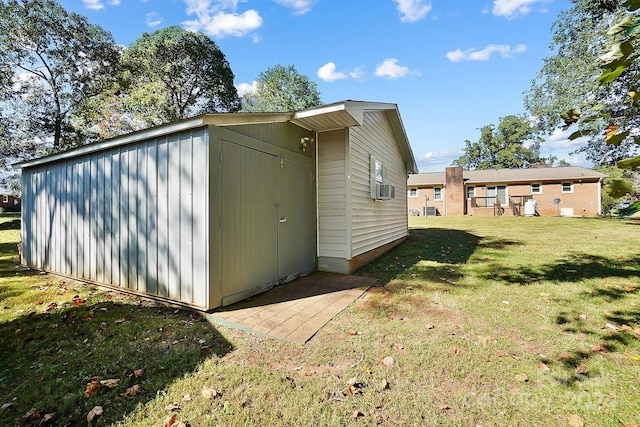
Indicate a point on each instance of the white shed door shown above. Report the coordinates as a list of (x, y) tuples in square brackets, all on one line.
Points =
[(296, 220), (249, 214)]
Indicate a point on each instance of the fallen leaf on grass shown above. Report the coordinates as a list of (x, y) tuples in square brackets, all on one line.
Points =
[(30, 418), (132, 391), (110, 383), (48, 418), (384, 385), (564, 356), (173, 406), (95, 412), (138, 373), (543, 367), (357, 414), (388, 361), (353, 387), (6, 406), (581, 370), (398, 346), (631, 356), (169, 421), (522, 378), (122, 320), (575, 421), (209, 393), (186, 398), (598, 348), (92, 387), (351, 331)]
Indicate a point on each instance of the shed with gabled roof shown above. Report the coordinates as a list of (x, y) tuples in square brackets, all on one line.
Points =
[(211, 210)]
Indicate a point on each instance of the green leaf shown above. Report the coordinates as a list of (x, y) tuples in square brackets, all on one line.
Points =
[(621, 26), (632, 4), (617, 139), (617, 188), (580, 133), (609, 76), (630, 163)]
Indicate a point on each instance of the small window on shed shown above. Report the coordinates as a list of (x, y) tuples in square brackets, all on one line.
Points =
[(536, 189), (5, 198), (437, 193), (567, 187), (413, 193)]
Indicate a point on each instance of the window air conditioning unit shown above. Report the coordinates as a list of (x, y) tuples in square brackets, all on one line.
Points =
[(385, 192)]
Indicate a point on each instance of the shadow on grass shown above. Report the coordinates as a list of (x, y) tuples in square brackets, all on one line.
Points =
[(432, 254), (48, 358), (575, 268)]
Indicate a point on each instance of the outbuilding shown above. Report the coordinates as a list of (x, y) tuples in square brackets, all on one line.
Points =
[(211, 210)]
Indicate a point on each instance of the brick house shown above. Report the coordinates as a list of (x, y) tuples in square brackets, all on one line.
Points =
[(9, 203), (565, 191)]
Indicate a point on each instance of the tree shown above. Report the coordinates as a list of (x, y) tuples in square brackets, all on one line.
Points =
[(512, 144), (282, 89), (53, 62), (570, 80), (172, 74)]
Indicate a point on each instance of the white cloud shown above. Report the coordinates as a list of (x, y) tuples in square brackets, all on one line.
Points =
[(329, 74), (513, 8), (244, 88), (153, 19), (412, 10), (390, 68), (504, 50), (93, 4), (98, 4), (300, 7), (435, 161), (219, 18), (559, 139)]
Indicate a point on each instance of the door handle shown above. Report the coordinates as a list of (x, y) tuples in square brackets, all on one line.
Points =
[(283, 219)]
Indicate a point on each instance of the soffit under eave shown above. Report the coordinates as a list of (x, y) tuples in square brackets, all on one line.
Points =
[(324, 122)]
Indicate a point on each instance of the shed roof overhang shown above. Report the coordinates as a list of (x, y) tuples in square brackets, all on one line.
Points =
[(328, 117), (349, 113)]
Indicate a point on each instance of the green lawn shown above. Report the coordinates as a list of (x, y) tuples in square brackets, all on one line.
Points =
[(477, 321)]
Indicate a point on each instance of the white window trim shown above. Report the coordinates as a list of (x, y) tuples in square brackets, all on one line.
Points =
[(434, 194), (474, 192), (570, 187), (539, 188), (409, 193), (5, 198)]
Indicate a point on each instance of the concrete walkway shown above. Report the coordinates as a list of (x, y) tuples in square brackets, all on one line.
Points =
[(295, 311)]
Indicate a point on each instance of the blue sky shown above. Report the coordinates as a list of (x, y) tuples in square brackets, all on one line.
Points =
[(452, 66)]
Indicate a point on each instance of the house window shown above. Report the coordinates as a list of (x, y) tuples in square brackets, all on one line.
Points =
[(15, 201), (381, 189), (379, 171), (567, 187), (536, 189), (471, 192), (413, 193), (437, 193), (5, 198)]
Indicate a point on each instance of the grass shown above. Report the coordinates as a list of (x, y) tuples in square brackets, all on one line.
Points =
[(478, 321)]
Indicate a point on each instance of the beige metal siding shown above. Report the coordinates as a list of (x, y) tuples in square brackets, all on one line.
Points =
[(133, 216), (376, 223), (332, 194)]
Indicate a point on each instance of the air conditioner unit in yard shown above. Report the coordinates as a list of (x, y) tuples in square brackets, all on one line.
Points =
[(385, 192)]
